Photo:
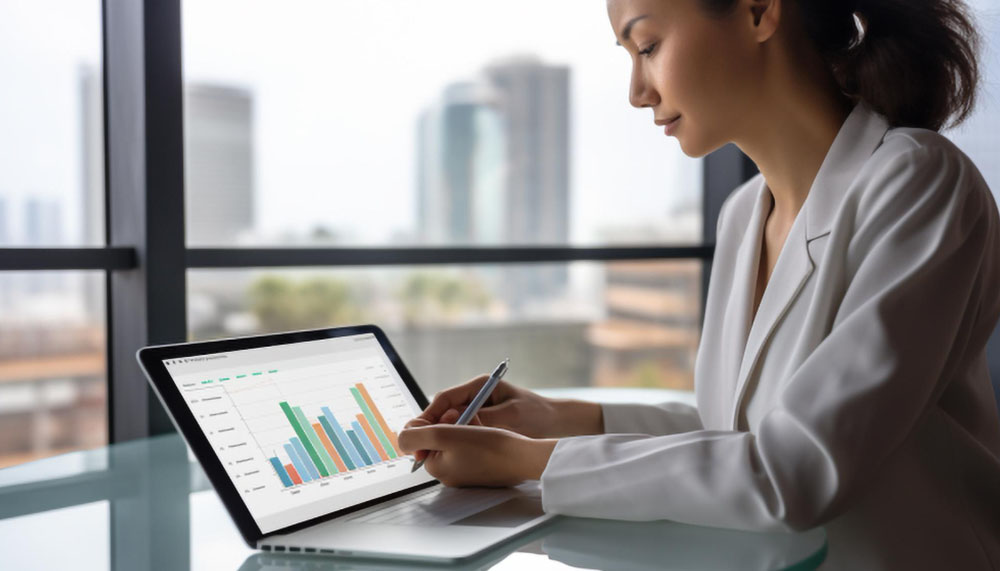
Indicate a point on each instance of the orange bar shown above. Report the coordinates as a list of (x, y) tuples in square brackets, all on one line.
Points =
[(371, 436), (293, 474), (378, 416), (329, 447)]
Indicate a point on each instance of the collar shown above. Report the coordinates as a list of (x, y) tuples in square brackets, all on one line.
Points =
[(860, 135)]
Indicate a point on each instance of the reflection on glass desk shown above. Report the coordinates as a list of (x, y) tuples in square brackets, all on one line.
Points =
[(148, 505)]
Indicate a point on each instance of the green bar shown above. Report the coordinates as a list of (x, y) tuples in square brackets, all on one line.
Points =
[(257, 374), (375, 425), (302, 436), (317, 445), (273, 371), (344, 455), (224, 379), (240, 376)]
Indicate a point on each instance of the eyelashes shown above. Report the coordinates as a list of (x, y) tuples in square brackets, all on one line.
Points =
[(648, 50)]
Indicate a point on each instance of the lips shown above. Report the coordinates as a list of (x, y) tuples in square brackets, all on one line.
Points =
[(667, 121)]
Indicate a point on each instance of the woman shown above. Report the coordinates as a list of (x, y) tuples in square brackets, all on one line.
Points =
[(841, 376)]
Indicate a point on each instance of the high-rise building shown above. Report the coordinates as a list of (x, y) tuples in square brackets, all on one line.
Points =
[(218, 164), (92, 181), (493, 167), (92, 147), (461, 167), (535, 100), (4, 228)]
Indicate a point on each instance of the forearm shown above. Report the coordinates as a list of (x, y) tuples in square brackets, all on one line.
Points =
[(576, 418)]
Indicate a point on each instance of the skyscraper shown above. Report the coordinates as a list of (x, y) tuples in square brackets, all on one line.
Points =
[(493, 167), (218, 164), (461, 167), (4, 229), (535, 101), (536, 105)]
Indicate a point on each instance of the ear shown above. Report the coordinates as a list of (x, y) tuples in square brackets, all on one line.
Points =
[(764, 16)]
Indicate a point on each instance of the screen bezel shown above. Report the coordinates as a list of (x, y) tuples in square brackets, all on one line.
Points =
[(151, 360)]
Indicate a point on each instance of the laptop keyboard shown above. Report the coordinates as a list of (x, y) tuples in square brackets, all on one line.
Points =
[(435, 506)]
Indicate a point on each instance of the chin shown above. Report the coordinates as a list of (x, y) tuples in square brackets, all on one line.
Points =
[(697, 148)]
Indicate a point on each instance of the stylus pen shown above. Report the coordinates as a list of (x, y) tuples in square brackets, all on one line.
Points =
[(477, 402)]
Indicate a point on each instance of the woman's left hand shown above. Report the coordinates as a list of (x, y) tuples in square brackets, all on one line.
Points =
[(477, 455)]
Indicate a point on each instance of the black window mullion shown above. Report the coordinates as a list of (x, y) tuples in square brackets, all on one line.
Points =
[(217, 258), (145, 200), (724, 171), (31, 259)]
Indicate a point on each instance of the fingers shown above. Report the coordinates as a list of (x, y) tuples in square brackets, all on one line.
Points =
[(419, 438), (438, 437), (454, 397), (417, 422)]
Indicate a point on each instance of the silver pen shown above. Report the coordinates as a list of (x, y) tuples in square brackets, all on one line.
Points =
[(477, 402)]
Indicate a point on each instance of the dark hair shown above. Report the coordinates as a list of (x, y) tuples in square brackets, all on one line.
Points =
[(913, 61)]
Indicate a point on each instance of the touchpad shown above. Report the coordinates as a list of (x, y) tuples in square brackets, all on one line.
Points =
[(512, 513)]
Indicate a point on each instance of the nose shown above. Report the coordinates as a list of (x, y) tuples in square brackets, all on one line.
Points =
[(640, 93)]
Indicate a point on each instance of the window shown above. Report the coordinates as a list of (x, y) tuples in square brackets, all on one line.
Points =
[(452, 188), (387, 123), (979, 137), (53, 381)]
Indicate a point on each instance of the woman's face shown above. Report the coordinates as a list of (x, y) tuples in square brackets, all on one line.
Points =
[(695, 71)]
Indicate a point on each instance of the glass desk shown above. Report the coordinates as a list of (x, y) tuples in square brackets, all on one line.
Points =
[(147, 505)]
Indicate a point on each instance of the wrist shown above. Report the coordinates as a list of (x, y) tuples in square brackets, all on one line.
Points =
[(578, 418), (535, 456)]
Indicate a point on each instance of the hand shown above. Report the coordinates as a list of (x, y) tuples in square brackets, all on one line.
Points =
[(476, 455), (515, 409)]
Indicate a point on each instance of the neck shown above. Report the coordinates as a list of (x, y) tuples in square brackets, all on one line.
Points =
[(794, 125)]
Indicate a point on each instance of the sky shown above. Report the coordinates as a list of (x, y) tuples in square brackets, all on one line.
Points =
[(338, 87)]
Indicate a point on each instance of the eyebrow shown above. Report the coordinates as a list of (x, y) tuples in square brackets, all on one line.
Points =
[(627, 30)]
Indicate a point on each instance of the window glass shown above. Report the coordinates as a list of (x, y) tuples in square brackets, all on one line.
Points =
[(53, 381), (979, 136), (583, 324), (437, 122), (51, 139)]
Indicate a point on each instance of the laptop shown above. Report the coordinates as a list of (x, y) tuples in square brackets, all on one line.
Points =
[(298, 434)]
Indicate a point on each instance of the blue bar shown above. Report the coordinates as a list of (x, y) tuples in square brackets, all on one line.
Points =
[(361, 450), (372, 453), (299, 466), (342, 448), (304, 456), (281, 472), (351, 449)]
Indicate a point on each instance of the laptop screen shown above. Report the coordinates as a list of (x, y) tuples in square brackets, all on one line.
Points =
[(303, 429)]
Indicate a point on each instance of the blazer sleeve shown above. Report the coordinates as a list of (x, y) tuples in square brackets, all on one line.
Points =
[(929, 228), (666, 418)]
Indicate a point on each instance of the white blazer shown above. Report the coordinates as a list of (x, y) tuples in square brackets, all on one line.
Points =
[(858, 399)]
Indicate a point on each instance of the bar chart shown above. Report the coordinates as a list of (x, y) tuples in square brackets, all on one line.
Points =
[(325, 446), (304, 431)]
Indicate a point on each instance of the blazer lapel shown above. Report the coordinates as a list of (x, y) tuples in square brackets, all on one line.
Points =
[(861, 134), (736, 324), (790, 273)]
